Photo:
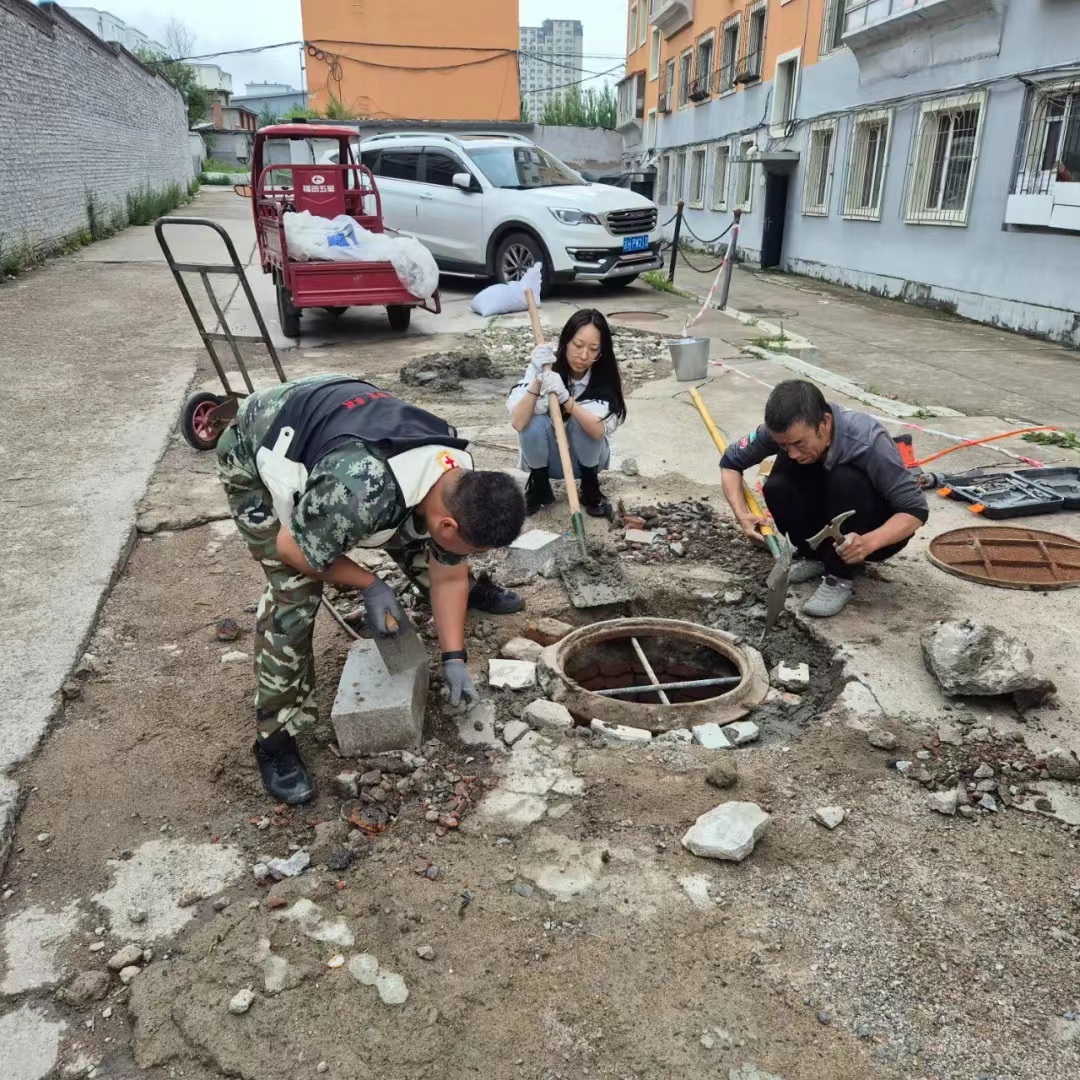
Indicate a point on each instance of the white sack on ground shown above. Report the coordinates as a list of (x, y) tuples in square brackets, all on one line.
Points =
[(504, 299), (341, 239)]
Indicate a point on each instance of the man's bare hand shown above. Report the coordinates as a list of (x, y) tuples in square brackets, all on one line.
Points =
[(854, 549), (751, 524)]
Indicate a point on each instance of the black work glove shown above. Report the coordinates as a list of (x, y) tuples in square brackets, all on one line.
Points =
[(381, 602), (458, 681)]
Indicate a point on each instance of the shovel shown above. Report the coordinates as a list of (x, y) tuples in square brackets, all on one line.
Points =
[(779, 546), (576, 520)]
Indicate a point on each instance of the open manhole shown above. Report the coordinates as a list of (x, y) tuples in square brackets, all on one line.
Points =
[(638, 316), (1009, 557), (590, 670)]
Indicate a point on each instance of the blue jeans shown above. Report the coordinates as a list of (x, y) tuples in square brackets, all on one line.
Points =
[(539, 450)]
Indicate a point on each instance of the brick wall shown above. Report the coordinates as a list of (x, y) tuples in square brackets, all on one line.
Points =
[(79, 118)]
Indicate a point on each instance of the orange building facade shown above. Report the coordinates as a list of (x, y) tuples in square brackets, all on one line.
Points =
[(413, 59)]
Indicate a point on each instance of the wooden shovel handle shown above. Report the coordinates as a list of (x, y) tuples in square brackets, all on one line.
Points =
[(555, 412)]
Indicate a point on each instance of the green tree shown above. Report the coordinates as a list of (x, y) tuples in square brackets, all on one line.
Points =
[(575, 108), (526, 117), (267, 117), (179, 43)]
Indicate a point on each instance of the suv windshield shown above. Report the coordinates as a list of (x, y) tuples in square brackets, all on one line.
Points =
[(521, 167)]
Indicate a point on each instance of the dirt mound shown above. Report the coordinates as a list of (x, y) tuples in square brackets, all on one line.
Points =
[(442, 372)]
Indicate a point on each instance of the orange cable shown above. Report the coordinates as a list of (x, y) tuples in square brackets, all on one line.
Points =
[(979, 442)]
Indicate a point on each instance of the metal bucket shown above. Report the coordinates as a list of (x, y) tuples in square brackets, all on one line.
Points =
[(690, 358)]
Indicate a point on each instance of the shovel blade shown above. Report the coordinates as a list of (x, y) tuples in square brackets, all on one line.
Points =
[(777, 584)]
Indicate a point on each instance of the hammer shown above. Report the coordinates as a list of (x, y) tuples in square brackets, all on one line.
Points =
[(831, 531)]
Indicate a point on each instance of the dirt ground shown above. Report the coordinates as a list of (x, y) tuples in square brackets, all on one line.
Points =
[(902, 944)]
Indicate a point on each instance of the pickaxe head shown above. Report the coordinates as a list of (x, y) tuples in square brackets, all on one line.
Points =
[(831, 531)]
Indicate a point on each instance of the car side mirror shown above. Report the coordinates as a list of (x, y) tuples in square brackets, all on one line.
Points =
[(243, 190), (463, 180)]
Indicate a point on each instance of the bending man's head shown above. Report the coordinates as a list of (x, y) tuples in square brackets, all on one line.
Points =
[(799, 420), (469, 511)]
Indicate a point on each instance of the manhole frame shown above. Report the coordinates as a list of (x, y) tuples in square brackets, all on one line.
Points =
[(953, 538), (586, 705), (630, 316)]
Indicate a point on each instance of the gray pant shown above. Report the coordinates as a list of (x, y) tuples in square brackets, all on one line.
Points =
[(539, 450)]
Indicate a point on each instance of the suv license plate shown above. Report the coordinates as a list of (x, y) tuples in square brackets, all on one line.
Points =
[(635, 243)]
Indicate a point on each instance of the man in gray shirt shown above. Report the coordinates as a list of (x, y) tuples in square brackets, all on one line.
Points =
[(828, 460)]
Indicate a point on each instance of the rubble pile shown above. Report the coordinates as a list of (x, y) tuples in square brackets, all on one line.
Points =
[(691, 529)]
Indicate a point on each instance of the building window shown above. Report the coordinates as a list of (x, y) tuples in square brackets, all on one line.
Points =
[(749, 69), (631, 29), (701, 87), (654, 55), (832, 30), (643, 23), (1049, 141), (944, 159), (785, 91), (667, 87), (663, 179), (867, 158), (696, 197), (729, 54), (650, 130), (686, 63), (678, 174), (817, 181), (744, 175), (721, 158)]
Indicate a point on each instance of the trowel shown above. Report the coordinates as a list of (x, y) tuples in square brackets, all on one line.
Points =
[(779, 546)]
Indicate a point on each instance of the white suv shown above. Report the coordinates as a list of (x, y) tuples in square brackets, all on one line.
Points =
[(495, 204)]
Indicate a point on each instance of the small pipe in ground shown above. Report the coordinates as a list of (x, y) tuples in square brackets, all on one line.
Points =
[(695, 684), (649, 670)]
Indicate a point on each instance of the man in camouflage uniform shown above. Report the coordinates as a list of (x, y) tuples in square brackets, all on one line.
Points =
[(408, 486)]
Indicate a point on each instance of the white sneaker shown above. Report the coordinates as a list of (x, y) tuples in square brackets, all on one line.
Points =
[(830, 598), (806, 570)]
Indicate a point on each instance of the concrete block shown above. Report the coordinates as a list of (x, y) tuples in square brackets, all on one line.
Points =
[(620, 733), (548, 716), (790, 676), (402, 651), (534, 551), (514, 730), (642, 536), (711, 736), (521, 648), (375, 711), (511, 674), (742, 731)]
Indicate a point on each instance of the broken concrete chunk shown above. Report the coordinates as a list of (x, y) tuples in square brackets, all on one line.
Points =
[(830, 816), (711, 736), (511, 674), (642, 536), (728, 831), (129, 973), (547, 715), (790, 676), (128, 955), (675, 737), (1061, 764), (364, 969), (943, 802), (881, 739), (984, 772), (550, 631), (86, 987), (391, 988), (971, 658), (347, 785), (522, 648), (242, 1001), (988, 802), (535, 552), (742, 732), (375, 711), (234, 657), (513, 731), (293, 866), (621, 734), (477, 726)]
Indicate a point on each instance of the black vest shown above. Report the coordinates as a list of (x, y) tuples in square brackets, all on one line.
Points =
[(327, 415)]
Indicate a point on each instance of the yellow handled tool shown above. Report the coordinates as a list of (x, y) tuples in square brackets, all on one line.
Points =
[(577, 522)]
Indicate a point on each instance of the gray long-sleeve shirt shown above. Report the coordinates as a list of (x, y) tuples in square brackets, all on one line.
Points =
[(858, 440)]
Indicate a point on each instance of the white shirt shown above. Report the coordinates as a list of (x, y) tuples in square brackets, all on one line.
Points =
[(577, 387)]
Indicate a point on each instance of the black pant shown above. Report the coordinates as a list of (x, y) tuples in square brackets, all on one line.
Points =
[(803, 499)]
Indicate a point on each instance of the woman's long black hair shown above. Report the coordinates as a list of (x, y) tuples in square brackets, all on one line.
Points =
[(605, 382)]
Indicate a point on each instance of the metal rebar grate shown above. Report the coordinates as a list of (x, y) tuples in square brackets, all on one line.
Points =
[(1049, 145)]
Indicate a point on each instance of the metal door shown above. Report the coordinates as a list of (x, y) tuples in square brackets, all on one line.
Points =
[(772, 228)]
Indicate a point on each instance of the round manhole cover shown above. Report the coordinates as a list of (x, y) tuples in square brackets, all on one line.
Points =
[(1010, 557), (638, 316)]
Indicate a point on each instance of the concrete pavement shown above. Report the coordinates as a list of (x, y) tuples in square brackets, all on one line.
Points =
[(924, 356)]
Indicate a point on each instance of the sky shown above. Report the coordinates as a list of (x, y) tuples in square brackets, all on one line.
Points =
[(231, 24)]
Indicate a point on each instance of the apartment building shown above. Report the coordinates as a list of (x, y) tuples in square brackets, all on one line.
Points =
[(551, 59), (109, 28), (924, 149), (413, 59)]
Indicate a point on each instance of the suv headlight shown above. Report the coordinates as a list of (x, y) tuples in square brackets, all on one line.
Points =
[(574, 217)]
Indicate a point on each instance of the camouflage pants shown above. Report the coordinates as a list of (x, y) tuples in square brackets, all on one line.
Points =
[(284, 660)]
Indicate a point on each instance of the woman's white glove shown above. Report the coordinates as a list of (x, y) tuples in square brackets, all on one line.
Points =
[(550, 383), (542, 356)]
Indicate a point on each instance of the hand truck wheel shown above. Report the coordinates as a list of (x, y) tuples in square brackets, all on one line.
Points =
[(197, 420)]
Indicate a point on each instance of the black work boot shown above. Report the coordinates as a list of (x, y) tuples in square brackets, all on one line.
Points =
[(283, 772), (486, 596), (592, 498), (538, 493)]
